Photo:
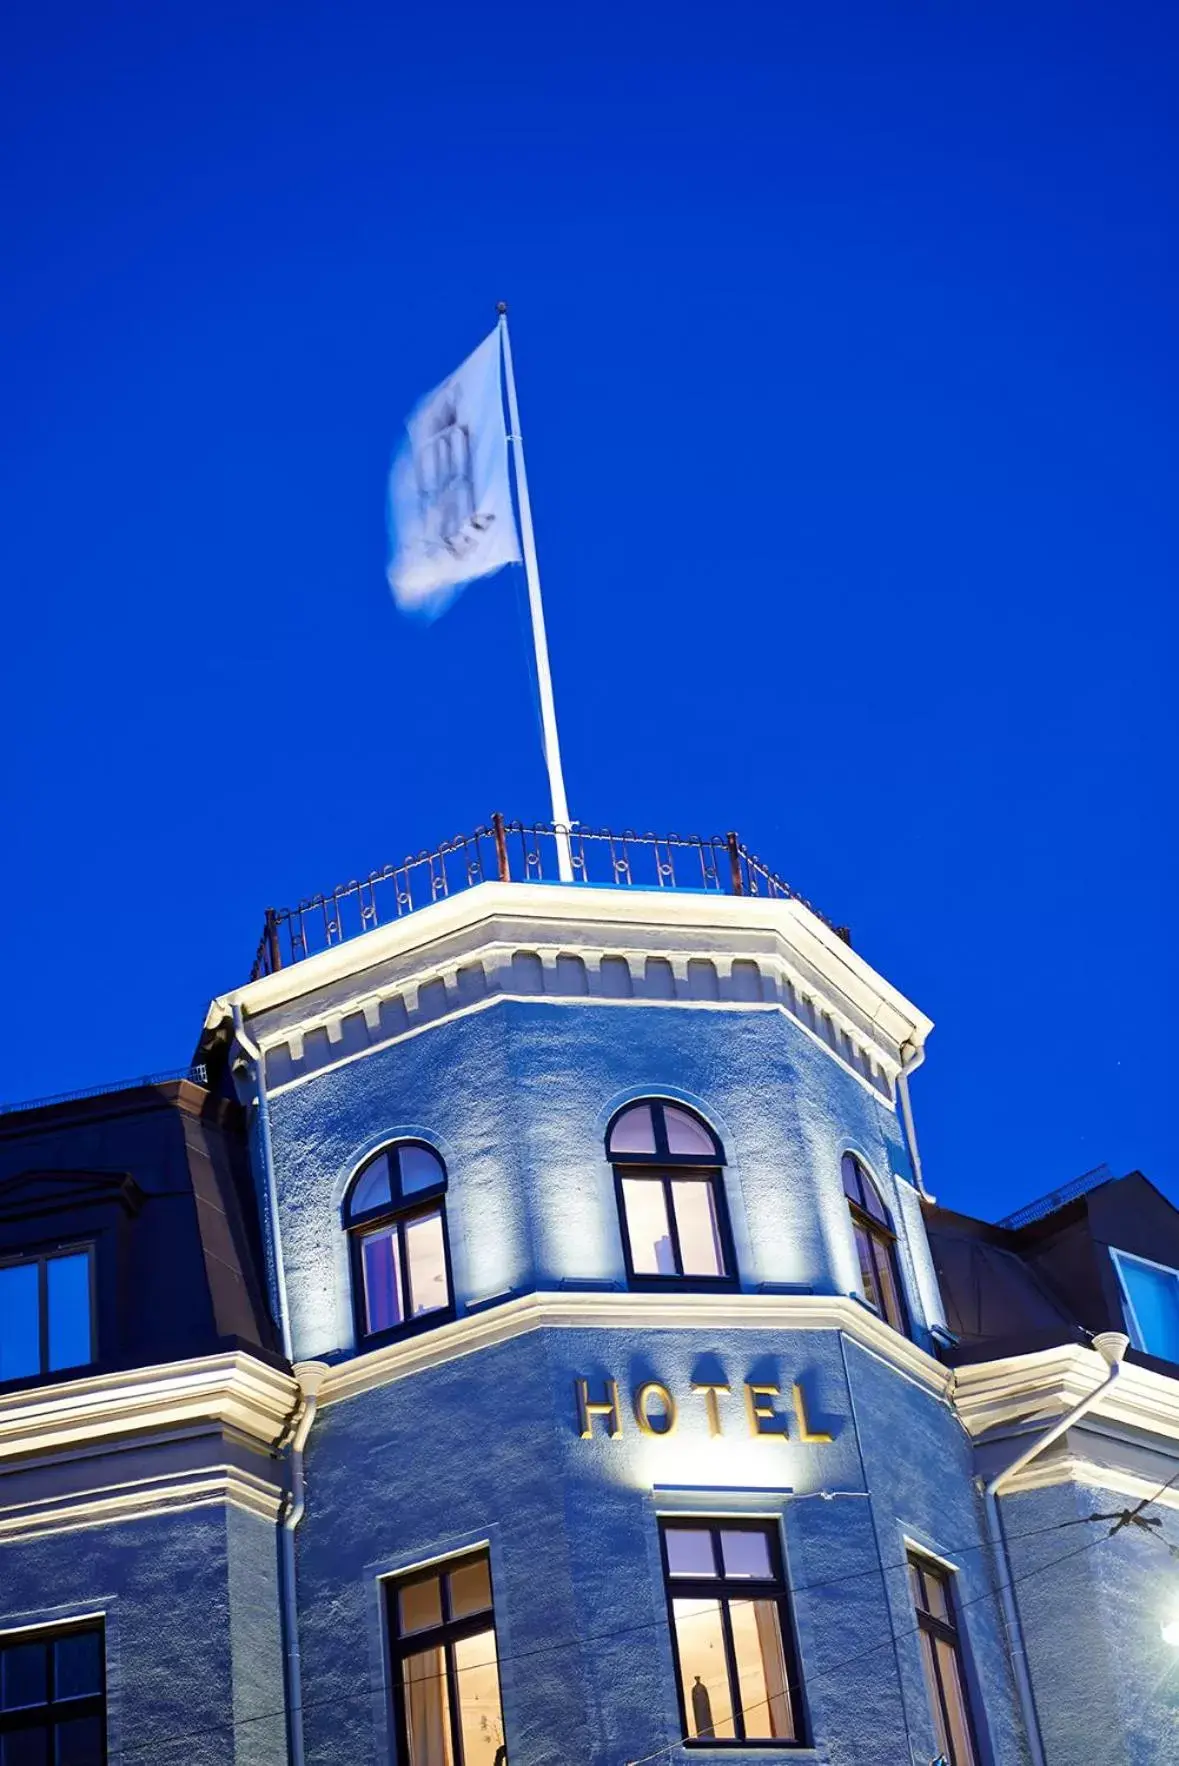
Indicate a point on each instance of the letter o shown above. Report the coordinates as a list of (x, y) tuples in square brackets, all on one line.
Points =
[(643, 1397)]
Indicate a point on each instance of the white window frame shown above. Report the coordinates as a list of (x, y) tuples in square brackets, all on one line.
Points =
[(1136, 1331)]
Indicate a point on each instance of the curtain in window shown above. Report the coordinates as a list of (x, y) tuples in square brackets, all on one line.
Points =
[(427, 1716)]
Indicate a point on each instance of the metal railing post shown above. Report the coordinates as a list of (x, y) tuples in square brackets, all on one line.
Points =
[(273, 948), (501, 848), (734, 847)]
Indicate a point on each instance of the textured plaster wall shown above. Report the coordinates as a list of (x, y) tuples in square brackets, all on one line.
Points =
[(517, 1098), (1105, 1683), (190, 1603), (487, 1448)]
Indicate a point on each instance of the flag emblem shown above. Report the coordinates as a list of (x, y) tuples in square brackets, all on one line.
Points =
[(450, 502)]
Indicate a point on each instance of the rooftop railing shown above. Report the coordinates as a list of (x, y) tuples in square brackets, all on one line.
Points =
[(516, 852), (1068, 1192)]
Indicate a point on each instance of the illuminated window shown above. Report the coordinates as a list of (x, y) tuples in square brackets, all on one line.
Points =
[(731, 1627), (667, 1170), (46, 1314), (445, 1666), (1151, 1293), (941, 1655), (396, 1217), (53, 1697), (876, 1244)]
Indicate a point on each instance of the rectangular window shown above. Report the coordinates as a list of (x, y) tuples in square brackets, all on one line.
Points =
[(730, 1625), (1152, 1305), (404, 1269), (941, 1656), (46, 1315), (672, 1227), (53, 1697), (445, 1667)]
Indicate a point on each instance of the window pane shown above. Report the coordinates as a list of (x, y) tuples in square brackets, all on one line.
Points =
[(79, 1742), (1154, 1295), (427, 1710), (704, 1676), (867, 1266), (20, 1341), (761, 1669), (77, 1666), (695, 1219), (634, 1132), (689, 1552), (381, 1257), (425, 1257), (685, 1135), (26, 1747), (470, 1589), (955, 1697), (851, 1179), (936, 1594), (480, 1719), (419, 1605), (746, 1554), (935, 1701), (420, 1169), (69, 1311), (24, 1678), (887, 1284), (646, 1221), (373, 1187)]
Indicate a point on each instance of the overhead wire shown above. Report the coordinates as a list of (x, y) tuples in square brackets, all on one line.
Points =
[(369, 1691)]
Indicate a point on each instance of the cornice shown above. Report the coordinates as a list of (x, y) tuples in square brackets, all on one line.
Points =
[(630, 1313), (577, 945), (235, 1392), (139, 1499), (1001, 1397)]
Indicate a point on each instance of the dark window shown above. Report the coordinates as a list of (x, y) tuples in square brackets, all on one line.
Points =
[(445, 1668), (941, 1654), (731, 1627), (396, 1217), (46, 1314), (53, 1697), (667, 1171), (876, 1245)]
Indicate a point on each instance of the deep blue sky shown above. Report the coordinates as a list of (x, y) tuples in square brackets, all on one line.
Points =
[(846, 345)]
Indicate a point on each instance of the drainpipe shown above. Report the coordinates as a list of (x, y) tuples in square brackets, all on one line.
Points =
[(910, 1065), (251, 1049), (310, 1376), (1111, 1346)]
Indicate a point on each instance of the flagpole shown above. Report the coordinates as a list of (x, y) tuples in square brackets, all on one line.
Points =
[(548, 712)]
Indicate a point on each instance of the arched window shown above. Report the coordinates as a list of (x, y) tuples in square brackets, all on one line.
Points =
[(667, 1172), (395, 1213), (876, 1244)]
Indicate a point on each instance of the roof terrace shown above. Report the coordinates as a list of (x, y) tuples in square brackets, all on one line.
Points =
[(516, 852)]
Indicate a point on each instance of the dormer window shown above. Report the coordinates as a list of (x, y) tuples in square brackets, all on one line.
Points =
[(396, 1219), (1151, 1293), (667, 1173), (46, 1314), (876, 1244)]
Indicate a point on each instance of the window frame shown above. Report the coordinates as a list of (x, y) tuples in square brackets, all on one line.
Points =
[(949, 1632), (399, 1212), (672, 1168), (1129, 1311), (89, 1705), (882, 1240), (777, 1590), (444, 1636), (42, 1259)]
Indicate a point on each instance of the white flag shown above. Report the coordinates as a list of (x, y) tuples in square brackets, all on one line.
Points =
[(450, 505)]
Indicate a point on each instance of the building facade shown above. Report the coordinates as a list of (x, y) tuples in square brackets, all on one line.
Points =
[(535, 1344)]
